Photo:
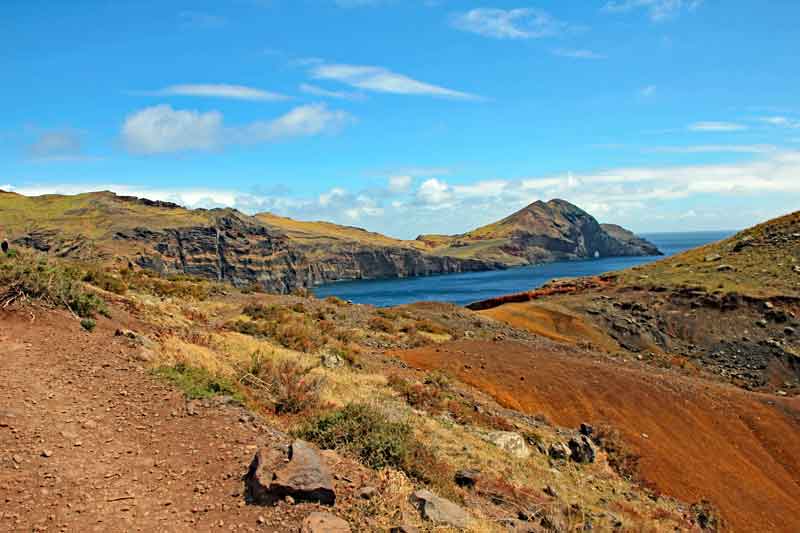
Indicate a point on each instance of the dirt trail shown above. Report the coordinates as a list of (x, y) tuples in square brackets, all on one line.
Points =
[(697, 439), (123, 453)]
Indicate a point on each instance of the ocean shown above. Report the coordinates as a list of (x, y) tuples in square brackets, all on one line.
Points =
[(462, 289)]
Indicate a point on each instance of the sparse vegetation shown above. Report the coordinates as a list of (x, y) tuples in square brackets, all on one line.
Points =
[(291, 386), (198, 382), (88, 324), (35, 278)]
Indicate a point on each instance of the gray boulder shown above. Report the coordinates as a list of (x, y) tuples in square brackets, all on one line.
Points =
[(304, 478), (440, 510), (321, 522)]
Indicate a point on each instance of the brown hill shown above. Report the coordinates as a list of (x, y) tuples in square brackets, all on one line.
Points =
[(280, 254), (542, 232)]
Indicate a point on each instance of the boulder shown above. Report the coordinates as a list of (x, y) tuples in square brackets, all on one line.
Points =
[(581, 449), (710, 258), (367, 493), (467, 478), (321, 522), (511, 442), (558, 451), (304, 478), (440, 510)]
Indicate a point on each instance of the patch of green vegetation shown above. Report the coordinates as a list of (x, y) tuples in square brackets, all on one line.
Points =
[(88, 324), (30, 276), (363, 431), (198, 382)]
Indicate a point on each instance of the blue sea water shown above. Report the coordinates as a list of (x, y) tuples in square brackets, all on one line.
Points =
[(469, 287)]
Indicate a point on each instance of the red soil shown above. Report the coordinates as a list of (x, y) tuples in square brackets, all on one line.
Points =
[(697, 439)]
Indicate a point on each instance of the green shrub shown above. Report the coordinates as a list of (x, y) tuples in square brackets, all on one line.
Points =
[(88, 324), (105, 281), (363, 431), (28, 276), (198, 382)]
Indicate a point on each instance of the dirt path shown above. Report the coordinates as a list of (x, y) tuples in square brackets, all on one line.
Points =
[(697, 439), (89, 441)]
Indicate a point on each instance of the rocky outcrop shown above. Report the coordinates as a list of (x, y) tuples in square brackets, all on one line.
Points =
[(439, 510), (240, 250)]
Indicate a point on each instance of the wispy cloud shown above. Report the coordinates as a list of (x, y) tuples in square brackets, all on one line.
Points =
[(383, 80), (162, 129), (628, 195), (781, 122), (218, 90), (716, 148), (647, 91), (57, 145), (711, 126), (658, 10), (521, 23), (315, 90), (578, 53)]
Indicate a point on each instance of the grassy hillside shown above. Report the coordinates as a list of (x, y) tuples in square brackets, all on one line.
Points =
[(762, 261)]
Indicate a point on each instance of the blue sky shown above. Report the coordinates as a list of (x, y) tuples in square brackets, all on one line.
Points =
[(410, 116)]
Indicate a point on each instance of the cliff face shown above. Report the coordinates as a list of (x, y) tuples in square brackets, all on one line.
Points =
[(242, 251), (282, 254)]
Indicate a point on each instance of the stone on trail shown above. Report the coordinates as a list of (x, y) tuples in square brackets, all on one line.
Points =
[(440, 510), (305, 477), (321, 522), (582, 450)]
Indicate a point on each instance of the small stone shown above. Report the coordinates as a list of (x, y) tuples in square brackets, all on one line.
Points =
[(762, 323), (582, 450), (404, 528), (367, 493), (17, 459), (47, 453), (781, 393), (586, 430), (261, 520), (710, 258), (321, 522), (789, 330)]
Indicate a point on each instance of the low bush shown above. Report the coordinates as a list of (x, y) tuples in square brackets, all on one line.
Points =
[(363, 431), (88, 324), (418, 395), (198, 382), (620, 457), (378, 323), (105, 281), (28, 276), (291, 386), (429, 326)]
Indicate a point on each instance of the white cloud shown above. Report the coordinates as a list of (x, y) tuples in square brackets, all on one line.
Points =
[(400, 184), (382, 80), (162, 129), (578, 53), (219, 90), (716, 148), (644, 197), (434, 193), (315, 90), (521, 23), (717, 126), (781, 121), (658, 10)]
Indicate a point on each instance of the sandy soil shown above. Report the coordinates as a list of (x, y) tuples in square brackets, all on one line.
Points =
[(697, 439)]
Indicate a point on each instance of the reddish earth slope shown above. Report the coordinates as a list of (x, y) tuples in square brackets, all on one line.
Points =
[(697, 439)]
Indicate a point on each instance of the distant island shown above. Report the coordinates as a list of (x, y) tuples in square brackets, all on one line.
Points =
[(280, 254)]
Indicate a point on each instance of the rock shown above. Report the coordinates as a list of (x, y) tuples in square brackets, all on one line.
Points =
[(742, 244), (789, 330), (710, 258), (558, 451), (321, 522), (367, 493), (586, 429), (467, 478), (762, 323), (511, 442), (581, 449), (193, 407), (47, 453), (332, 360), (304, 478), (724, 268), (440, 510)]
